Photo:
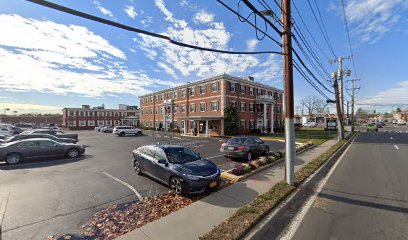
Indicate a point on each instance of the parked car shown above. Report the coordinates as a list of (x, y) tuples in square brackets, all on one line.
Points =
[(6, 130), (379, 125), (310, 124), (244, 147), (106, 129), (23, 126), (372, 127), (15, 152), (179, 167), (401, 122), (395, 121), (2, 136), (126, 130), (98, 128), (59, 134), (39, 135)]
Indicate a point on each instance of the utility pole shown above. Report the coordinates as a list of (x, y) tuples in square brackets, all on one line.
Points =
[(338, 108), (340, 101), (288, 92), (353, 93), (348, 116)]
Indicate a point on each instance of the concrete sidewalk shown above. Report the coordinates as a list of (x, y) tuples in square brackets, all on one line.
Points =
[(200, 217)]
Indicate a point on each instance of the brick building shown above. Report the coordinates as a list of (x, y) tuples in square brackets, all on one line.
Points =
[(201, 105), (87, 118), (37, 119)]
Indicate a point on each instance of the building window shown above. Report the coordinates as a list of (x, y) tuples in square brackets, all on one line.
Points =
[(81, 113), (72, 124), (203, 89), (146, 112), (251, 124), (251, 107), (151, 123), (151, 100), (101, 114), (243, 107), (192, 107), (101, 123), (116, 113), (90, 114), (168, 95), (151, 111), (175, 95), (161, 98), (108, 114), (258, 92), (214, 106), (233, 104), (156, 99), (214, 87), (108, 122), (183, 93), (243, 89), (278, 109), (243, 124), (232, 87), (155, 111), (91, 123), (183, 108), (192, 91), (203, 107), (175, 123), (251, 91), (161, 110)]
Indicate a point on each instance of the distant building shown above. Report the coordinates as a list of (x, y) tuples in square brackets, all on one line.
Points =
[(36, 119), (87, 118), (200, 105), (400, 115)]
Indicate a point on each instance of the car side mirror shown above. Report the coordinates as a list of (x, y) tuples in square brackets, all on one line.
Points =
[(56, 145), (162, 161)]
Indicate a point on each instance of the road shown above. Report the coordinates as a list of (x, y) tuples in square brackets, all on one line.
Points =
[(54, 197), (366, 195)]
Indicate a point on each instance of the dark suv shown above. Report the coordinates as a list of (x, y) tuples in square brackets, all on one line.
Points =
[(183, 170)]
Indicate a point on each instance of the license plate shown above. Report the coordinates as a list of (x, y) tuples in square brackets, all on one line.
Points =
[(230, 148), (213, 184)]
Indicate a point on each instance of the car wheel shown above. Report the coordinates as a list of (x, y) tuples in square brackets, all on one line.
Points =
[(136, 167), (72, 153), (13, 158), (122, 134), (139, 133), (249, 156), (175, 185), (266, 150)]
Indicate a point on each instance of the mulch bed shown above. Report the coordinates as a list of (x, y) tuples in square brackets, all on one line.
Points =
[(117, 220)]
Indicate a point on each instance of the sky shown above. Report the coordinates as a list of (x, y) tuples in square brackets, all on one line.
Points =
[(50, 60)]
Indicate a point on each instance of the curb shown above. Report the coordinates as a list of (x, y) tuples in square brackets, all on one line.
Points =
[(233, 178), (259, 229)]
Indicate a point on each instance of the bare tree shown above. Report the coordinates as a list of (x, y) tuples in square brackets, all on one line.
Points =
[(313, 104)]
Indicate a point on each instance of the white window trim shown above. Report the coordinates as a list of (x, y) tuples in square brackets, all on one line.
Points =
[(194, 108), (235, 87), (205, 106), (183, 110), (216, 84), (218, 106), (205, 89)]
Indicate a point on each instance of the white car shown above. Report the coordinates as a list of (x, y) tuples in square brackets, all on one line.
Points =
[(126, 130), (401, 122), (6, 130), (310, 124)]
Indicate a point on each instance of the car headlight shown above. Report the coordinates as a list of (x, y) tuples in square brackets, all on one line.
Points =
[(191, 177)]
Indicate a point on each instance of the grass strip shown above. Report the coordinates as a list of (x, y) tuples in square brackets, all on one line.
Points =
[(249, 215)]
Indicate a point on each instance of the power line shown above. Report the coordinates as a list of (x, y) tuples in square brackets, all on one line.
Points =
[(137, 30), (303, 74), (348, 37), (325, 36), (246, 20)]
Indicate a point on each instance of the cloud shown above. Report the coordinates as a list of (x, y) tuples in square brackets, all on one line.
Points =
[(130, 11), (103, 10), (272, 70), (64, 60), (29, 108), (395, 96), (188, 61), (167, 69), (203, 17), (147, 21), (251, 44), (370, 20)]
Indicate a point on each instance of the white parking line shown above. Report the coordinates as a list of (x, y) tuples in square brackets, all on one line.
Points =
[(396, 146), (305, 208), (215, 156), (126, 184)]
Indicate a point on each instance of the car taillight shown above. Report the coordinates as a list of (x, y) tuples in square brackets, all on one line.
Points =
[(241, 148)]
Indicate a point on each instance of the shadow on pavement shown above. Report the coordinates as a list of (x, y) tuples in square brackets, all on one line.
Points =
[(44, 162)]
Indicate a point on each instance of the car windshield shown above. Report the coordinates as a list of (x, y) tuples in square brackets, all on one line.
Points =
[(180, 155), (237, 140)]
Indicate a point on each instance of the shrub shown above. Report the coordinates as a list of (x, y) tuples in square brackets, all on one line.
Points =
[(263, 160), (241, 169), (253, 165)]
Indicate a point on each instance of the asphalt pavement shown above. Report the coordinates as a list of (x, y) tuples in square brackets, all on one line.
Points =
[(364, 197), (58, 196)]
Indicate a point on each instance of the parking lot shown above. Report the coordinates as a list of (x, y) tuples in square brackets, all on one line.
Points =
[(53, 197)]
